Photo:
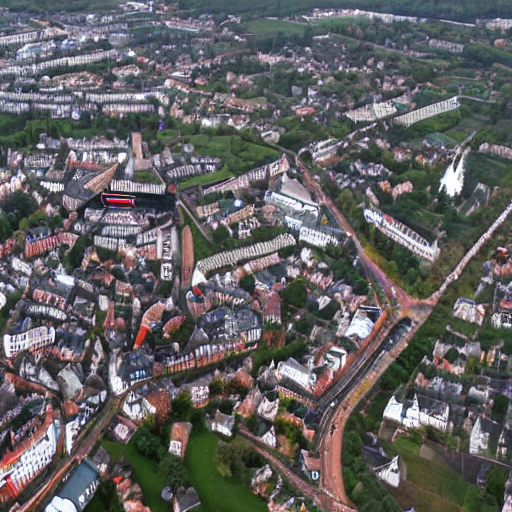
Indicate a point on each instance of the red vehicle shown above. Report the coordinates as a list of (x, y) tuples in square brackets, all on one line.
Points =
[(117, 200)]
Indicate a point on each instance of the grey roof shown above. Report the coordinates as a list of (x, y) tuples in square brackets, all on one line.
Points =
[(188, 499), (81, 479)]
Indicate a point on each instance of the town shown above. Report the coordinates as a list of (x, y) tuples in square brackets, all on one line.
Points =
[(254, 263)]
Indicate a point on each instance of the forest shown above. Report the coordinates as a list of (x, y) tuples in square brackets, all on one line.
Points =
[(462, 11)]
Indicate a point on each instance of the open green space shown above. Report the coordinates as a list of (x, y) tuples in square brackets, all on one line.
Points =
[(145, 473), (238, 154), (263, 28), (465, 10), (202, 247), (432, 486), (217, 494), (57, 5), (433, 475), (206, 179)]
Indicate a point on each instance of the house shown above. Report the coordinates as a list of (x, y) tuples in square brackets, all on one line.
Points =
[(269, 438), (187, 499), (336, 358), (180, 433), (297, 373), (392, 472), (222, 423), (21, 465), (483, 431), (268, 409), (250, 403), (310, 465), (423, 411), (78, 490), (199, 390), (33, 339)]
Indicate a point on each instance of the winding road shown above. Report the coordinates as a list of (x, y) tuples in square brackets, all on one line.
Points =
[(365, 371)]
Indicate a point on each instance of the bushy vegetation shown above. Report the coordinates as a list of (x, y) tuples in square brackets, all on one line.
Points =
[(236, 460)]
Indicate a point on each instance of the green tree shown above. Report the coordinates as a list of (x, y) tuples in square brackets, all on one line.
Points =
[(148, 444), (216, 387), (182, 405), (296, 293), (173, 471), (247, 283), (18, 206)]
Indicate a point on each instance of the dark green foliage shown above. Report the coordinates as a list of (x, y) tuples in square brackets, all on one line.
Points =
[(173, 470), (295, 294), (60, 160), (466, 10), (496, 484), (486, 55), (247, 283), (292, 432), (105, 254), (182, 405), (499, 408), (236, 460), (264, 354), (452, 355), (74, 256), (329, 311), (216, 387), (5, 228), (18, 206), (221, 235), (106, 498), (148, 444)]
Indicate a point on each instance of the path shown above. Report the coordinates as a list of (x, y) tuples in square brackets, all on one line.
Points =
[(320, 498)]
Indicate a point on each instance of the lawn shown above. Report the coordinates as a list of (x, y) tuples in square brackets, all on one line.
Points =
[(145, 473), (217, 494), (206, 179), (264, 28), (239, 155), (202, 247), (432, 486)]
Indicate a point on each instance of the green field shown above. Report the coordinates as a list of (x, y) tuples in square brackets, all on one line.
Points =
[(217, 494), (145, 473), (206, 179), (202, 247), (238, 154), (432, 486), (264, 28)]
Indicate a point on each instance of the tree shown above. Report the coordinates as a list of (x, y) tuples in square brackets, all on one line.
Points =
[(296, 293), (247, 283), (496, 483), (216, 387), (182, 405), (18, 206), (500, 407), (148, 444), (173, 471)]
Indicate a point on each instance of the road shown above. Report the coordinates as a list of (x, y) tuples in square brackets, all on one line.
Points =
[(83, 446), (373, 362), (351, 387), (319, 497)]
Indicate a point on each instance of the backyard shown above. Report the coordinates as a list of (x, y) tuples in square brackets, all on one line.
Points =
[(217, 494)]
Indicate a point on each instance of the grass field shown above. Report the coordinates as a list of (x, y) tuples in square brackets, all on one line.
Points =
[(264, 28), (202, 248), (217, 494), (432, 486), (145, 473), (239, 155), (206, 179)]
